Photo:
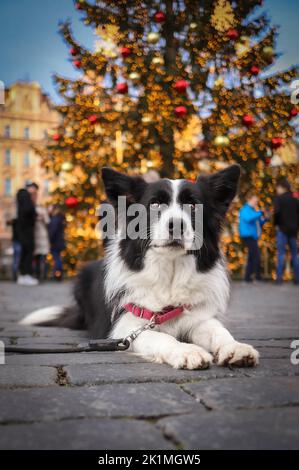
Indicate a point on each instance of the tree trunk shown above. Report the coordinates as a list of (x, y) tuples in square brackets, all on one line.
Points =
[(167, 143)]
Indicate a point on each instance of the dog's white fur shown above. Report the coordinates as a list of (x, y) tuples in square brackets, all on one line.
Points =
[(171, 278), (42, 315)]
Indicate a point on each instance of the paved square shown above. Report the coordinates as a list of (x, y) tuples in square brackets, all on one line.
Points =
[(119, 401)]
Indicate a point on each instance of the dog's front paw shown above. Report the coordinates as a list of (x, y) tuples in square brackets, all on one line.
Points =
[(189, 356), (237, 354)]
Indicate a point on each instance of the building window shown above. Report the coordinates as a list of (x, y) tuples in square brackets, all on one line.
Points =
[(26, 160), (7, 131), (7, 187), (26, 132), (7, 159)]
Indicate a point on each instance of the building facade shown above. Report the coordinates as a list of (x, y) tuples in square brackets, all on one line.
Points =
[(26, 118)]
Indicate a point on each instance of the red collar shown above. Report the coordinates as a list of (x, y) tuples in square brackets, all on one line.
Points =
[(168, 313)]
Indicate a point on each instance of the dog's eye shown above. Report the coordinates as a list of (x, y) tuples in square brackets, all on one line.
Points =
[(155, 205)]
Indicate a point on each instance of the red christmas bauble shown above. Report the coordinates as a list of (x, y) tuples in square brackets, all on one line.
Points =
[(56, 137), (181, 86), (122, 87), (248, 120), (73, 51), (255, 70), (276, 142), (232, 34), (160, 17), (125, 51), (268, 160), (294, 112), (78, 6), (180, 111), (71, 201), (77, 64), (93, 118)]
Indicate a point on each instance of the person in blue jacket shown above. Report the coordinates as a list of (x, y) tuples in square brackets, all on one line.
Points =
[(251, 220)]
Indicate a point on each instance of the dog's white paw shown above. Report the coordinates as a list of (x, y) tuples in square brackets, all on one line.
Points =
[(189, 356), (237, 354)]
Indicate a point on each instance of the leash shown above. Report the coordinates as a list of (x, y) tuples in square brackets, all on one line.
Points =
[(90, 346), (155, 318)]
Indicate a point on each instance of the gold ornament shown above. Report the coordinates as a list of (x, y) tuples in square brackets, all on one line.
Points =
[(153, 37), (67, 166), (268, 52), (221, 141), (147, 119), (193, 26), (223, 17), (158, 60), (134, 76), (109, 32)]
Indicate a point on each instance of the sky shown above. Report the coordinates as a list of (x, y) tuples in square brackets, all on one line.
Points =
[(32, 49)]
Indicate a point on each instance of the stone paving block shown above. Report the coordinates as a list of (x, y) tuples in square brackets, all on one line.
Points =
[(74, 358), (259, 392), (274, 353), (13, 332), (45, 341), (275, 429), (92, 374), (33, 376), (21, 331), (272, 367), (268, 343), (85, 434), (252, 333), (118, 400)]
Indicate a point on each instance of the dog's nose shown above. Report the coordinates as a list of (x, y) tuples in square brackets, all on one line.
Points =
[(176, 227)]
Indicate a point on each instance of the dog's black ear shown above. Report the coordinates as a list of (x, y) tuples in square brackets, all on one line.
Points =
[(223, 186), (117, 184)]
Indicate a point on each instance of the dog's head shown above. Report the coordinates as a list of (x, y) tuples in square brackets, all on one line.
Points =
[(172, 217)]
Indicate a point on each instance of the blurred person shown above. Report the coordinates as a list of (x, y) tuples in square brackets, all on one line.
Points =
[(286, 220), (41, 241), (32, 189), (57, 243), (251, 220), (151, 176), (16, 246), (25, 226)]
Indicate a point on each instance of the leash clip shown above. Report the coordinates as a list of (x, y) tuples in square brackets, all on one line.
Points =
[(132, 336)]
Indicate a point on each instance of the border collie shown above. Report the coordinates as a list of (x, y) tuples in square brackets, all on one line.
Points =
[(159, 272)]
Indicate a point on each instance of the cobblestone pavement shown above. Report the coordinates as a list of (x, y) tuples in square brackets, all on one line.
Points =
[(118, 401)]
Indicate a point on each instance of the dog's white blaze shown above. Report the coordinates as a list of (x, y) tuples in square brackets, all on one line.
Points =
[(160, 231)]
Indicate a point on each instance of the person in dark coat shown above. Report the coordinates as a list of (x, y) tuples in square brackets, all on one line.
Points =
[(25, 227), (286, 220), (17, 249), (56, 235)]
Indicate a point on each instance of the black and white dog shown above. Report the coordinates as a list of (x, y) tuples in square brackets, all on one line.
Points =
[(162, 276)]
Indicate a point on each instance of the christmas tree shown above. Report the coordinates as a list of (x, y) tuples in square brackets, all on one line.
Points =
[(180, 86)]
